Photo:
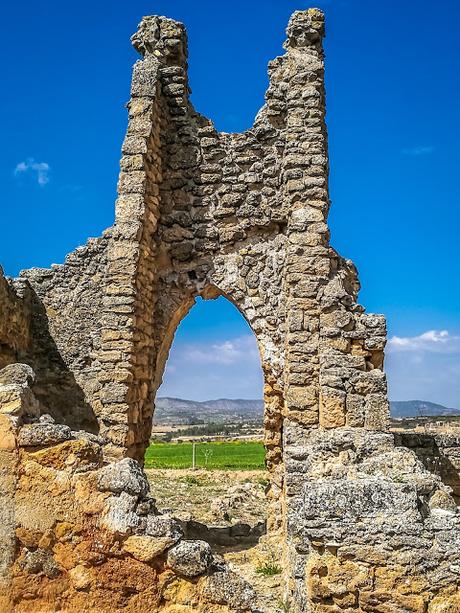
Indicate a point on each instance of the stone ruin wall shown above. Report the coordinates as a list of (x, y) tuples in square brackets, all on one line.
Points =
[(361, 524), (439, 453), (14, 322)]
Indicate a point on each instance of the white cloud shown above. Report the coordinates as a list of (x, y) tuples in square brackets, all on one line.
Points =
[(228, 368), (227, 352), (425, 367), (418, 150), (432, 341), (39, 169)]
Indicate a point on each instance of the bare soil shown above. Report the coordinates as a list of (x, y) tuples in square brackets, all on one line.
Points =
[(211, 496)]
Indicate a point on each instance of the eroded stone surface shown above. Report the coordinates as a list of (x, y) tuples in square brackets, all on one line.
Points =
[(190, 558), (40, 434), (226, 587), (123, 476)]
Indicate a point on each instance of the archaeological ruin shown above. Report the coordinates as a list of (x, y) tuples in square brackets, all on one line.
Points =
[(362, 524)]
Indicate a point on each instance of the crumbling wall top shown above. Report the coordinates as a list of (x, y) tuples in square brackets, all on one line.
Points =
[(305, 28), (162, 37)]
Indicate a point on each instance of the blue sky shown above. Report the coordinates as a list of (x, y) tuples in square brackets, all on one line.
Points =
[(393, 98)]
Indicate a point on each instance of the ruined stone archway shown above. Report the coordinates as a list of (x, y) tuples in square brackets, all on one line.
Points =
[(363, 525), (245, 212)]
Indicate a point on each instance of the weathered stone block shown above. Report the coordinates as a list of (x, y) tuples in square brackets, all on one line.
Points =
[(147, 548), (41, 434), (123, 476), (332, 408), (190, 558)]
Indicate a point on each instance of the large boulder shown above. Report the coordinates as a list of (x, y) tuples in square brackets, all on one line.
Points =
[(190, 558), (123, 476)]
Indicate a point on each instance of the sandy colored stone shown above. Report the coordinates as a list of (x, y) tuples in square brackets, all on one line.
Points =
[(146, 548), (68, 454), (332, 410), (80, 577), (28, 537), (7, 433)]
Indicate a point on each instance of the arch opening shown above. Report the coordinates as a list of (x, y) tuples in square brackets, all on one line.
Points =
[(210, 461)]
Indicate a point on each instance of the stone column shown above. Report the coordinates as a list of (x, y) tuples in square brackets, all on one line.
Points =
[(126, 400)]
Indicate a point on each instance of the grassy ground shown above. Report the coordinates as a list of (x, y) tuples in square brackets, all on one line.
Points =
[(235, 455)]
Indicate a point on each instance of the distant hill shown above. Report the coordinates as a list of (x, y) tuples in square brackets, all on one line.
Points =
[(178, 410), (420, 408), (222, 409)]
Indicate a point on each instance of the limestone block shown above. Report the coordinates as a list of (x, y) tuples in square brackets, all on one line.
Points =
[(123, 476), (332, 408), (190, 558), (227, 588), (370, 382), (7, 433), (377, 412), (355, 410), (17, 399), (146, 548), (162, 526), (41, 434), (120, 516), (145, 79), (302, 397), (369, 498), (81, 454), (19, 374)]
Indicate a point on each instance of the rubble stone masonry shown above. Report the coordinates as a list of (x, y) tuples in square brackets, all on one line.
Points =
[(362, 524)]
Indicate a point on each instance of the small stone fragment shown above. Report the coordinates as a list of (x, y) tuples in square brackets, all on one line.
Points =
[(41, 561), (80, 577)]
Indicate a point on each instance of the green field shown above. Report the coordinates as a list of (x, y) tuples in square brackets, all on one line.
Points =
[(234, 455)]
